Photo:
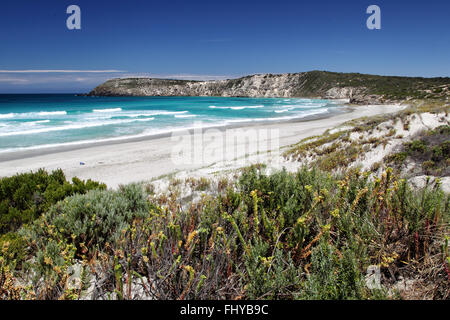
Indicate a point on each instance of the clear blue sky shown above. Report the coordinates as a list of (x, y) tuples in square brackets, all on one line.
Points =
[(216, 39)]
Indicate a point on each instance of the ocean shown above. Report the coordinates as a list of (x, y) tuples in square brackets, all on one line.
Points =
[(35, 121)]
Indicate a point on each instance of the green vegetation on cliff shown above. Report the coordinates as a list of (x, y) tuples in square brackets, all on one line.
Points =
[(390, 87)]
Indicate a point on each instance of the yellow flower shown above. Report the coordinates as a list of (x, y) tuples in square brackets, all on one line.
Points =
[(48, 261), (266, 261), (191, 237), (335, 213), (5, 247), (301, 221)]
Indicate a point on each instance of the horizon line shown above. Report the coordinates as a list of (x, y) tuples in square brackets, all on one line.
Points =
[(62, 71)]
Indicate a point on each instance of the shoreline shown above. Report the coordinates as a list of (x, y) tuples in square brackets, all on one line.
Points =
[(145, 158), (34, 151)]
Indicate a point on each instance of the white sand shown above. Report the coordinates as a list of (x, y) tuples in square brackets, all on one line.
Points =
[(144, 160), (417, 123)]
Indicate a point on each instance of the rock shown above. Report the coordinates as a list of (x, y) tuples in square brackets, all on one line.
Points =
[(140, 289), (420, 182), (365, 99), (74, 281), (445, 184), (338, 93), (318, 84), (88, 294)]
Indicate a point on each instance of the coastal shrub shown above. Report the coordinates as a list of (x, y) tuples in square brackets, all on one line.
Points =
[(270, 274), (13, 248), (307, 235), (200, 184), (430, 150), (24, 197), (417, 146), (187, 254), (360, 214), (91, 220), (334, 276)]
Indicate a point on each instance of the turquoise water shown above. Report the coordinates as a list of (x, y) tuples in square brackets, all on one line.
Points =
[(39, 121)]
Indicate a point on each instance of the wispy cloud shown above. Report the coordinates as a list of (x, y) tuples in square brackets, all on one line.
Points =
[(180, 76), (56, 80), (97, 78), (14, 80), (80, 80), (60, 71)]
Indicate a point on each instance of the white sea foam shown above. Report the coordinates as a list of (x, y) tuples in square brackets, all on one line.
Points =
[(153, 113), (168, 113), (282, 110), (21, 125), (49, 113), (147, 133), (40, 121), (108, 110), (70, 127), (237, 107), (32, 114), (143, 120)]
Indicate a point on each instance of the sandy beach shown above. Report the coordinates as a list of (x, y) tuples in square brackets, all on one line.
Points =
[(145, 159)]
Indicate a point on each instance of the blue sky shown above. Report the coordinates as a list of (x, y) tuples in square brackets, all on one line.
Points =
[(215, 40)]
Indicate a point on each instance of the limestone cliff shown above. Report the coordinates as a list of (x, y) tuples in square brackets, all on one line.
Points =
[(359, 88)]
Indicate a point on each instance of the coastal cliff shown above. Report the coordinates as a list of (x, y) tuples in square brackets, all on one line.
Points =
[(358, 88)]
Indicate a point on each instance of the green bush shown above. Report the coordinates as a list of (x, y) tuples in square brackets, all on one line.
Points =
[(91, 220), (417, 146), (431, 152), (333, 277), (24, 197), (270, 276), (306, 235), (14, 248)]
